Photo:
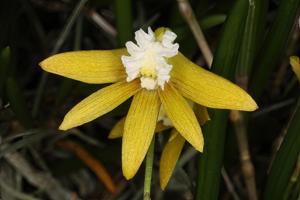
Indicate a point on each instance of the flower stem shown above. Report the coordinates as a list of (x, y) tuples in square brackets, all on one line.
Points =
[(148, 170)]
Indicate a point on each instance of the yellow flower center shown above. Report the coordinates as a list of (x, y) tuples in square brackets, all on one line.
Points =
[(148, 66)]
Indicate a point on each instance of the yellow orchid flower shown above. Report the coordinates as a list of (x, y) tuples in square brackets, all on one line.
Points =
[(295, 63), (155, 73)]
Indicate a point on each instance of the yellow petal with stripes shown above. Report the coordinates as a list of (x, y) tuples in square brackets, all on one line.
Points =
[(117, 130), (93, 66), (169, 157), (295, 62), (139, 130), (206, 88), (182, 116), (99, 103)]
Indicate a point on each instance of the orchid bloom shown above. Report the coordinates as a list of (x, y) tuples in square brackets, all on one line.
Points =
[(156, 74)]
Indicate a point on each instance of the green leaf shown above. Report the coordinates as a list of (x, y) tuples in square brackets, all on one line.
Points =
[(251, 38), (33, 136), (225, 59), (18, 103), (4, 65), (274, 45), (285, 160), (67, 85), (64, 91), (212, 21), (123, 20)]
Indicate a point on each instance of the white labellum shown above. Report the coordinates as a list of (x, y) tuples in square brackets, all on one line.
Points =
[(147, 59)]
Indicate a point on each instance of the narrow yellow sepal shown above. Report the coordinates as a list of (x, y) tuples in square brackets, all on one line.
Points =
[(117, 130), (206, 88), (99, 103), (295, 63), (169, 157), (139, 130), (182, 116), (93, 66)]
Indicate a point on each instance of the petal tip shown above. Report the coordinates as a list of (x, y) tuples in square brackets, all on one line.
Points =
[(163, 184), (112, 136), (251, 105), (44, 64), (255, 107), (200, 148), (128, 173), (197, 143), (64, 126)]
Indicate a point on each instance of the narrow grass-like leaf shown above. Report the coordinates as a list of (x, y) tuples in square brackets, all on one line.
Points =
[(123, 20), (20, 135), (214, 131), (273, 46), (296, 192), (285, 160), (67, 84), (65, 90), (61, 39), (18, 103), (212, 21), (6, 147), (15, 193), (250, 40), (4, 64), (252, 35)]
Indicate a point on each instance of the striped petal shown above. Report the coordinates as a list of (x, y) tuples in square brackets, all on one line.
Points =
[(94, 66), (139, 130), (117, 130), (295, 63), (206, 88), (169, 157), (99, 103), (182, 116)]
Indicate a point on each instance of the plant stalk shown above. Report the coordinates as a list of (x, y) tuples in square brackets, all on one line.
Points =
[(148, 170)]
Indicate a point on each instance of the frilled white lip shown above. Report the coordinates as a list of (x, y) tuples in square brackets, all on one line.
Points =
[(147, 58)]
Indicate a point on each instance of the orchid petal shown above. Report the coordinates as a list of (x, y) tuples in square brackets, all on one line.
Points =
[(94, 66), (206, 88), (182, 116), (99, 103), (169, 157), (139, 130)]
